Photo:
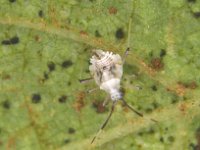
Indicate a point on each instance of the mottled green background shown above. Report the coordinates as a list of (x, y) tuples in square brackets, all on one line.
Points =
[(45, 48)]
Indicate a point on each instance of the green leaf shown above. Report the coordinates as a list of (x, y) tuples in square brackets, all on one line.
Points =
[(45, 50)]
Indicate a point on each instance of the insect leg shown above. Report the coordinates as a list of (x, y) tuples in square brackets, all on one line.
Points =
[(85, 80), (131, 108), (106, 121), (92, 90)]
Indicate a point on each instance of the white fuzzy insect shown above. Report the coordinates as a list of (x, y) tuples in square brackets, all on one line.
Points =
[(107, 69)]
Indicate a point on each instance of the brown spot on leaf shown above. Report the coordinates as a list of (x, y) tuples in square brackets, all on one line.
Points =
[(11, 144), (37, 38), (191, 85), (112, 10), (183, 107), (83, 33), (157, 64), (6, 77), (180, 89), (79, 103), (99, 106)]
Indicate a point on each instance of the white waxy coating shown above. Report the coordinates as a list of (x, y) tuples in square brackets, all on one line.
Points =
[(107, 70)]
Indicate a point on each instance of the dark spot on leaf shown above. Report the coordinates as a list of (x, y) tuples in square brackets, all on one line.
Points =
[(12, 1), (174, 101), (156, 64), (140, 133), (171, 139), (154, 88), (148, 110), (66, 141), (99, 106), (37, 38), (198, 138), (162, 139), (14, 40), (6, 104), (87, 70), (46, 76), (123, 91), (6, 42), (192, 85), (97, 34), (67, 63), (192, 1), (71, 130), (51, 66), (196, 14), (112, 10), (36, 98), (151, 53), (62, 99), (40, 13), (193, 146), (151, 131), (155, 105), (119, 34), (162, 52)]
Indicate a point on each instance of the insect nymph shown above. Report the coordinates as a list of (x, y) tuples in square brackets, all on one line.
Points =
[(107, 69)]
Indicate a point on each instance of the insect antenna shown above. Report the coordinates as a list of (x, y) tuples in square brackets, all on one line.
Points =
[(106, 121), (85, 80), (131, 108)]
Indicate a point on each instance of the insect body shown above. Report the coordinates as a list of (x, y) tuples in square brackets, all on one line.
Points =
[(107, 68)]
